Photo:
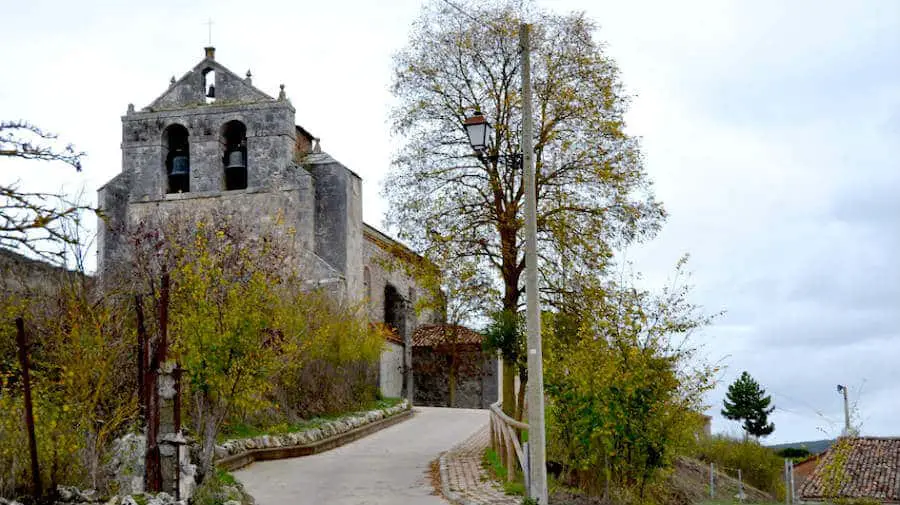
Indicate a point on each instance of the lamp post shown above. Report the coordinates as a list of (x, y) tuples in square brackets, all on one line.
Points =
[(843, 389), (478, 130)]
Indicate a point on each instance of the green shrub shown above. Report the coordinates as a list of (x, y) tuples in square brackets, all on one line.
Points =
[(760, 466), (623, 389), (218, 489), (793, 453), (495, 468)]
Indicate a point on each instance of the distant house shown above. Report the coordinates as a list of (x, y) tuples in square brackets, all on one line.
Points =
[(871, 469), (803, 469)]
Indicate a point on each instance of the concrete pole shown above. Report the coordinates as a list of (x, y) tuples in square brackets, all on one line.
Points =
[(791, 473), (846, 412), (536, 443), (787, 483)]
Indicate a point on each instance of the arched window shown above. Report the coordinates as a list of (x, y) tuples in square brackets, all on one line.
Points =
[(394, 310), (234, 138), (209, 85), (178, 159)]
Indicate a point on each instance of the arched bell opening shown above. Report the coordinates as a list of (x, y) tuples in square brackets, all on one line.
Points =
[(234, 138), (209, 85), (178, 159)]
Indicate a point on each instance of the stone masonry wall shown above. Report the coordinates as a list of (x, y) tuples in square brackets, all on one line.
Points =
[(475, 385)]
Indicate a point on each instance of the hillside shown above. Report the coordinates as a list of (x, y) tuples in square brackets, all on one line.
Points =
[(690, 485), (813, 446)]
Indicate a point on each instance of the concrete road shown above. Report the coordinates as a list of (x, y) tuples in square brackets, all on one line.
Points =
[(387, 467)]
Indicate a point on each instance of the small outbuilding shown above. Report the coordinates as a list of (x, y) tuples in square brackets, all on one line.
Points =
[(452, 369)]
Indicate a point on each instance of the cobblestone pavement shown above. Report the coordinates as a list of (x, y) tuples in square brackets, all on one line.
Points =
[(388, 467), (468, 478)]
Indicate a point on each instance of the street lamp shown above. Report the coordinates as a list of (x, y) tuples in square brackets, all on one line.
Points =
[(479, 131)]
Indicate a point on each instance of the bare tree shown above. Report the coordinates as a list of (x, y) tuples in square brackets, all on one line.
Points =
[(36, 221)]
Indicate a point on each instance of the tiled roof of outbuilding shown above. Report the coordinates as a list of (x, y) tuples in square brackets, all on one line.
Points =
[(871, 470), (431, 335)]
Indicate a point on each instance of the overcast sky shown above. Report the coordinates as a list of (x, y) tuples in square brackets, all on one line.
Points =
[(770, 129)]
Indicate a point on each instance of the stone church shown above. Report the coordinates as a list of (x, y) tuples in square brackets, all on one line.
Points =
[(214, 142)]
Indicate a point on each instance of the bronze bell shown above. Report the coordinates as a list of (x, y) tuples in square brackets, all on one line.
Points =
[(236, 160), (180, 165), (212, 91)]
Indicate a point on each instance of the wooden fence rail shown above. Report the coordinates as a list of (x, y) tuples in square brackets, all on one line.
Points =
[(505, 441)]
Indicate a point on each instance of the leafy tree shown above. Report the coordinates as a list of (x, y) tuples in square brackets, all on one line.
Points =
[(36, 221), (747, 401), (242, 327), (227, 314), (625, 386), (592, 191), (794, 453)]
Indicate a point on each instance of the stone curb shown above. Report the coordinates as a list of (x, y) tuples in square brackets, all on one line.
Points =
[(241, 459), (451, 496), (325, 430)]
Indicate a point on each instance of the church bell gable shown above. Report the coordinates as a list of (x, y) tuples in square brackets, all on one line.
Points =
[(208, 83)]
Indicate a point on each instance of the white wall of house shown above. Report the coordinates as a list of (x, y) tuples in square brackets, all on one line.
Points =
[(391, 371)]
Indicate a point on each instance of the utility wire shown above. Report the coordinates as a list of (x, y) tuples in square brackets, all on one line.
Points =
[(498, 29)]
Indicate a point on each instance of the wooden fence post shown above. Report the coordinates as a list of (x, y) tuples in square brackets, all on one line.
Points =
[(491, 426), (21, 340), (510, 455)]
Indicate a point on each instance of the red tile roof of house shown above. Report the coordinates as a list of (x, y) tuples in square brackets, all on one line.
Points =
[(871, 470), (431, 335)]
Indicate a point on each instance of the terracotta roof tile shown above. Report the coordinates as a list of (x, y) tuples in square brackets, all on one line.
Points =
[(872, 470), (431, 335)]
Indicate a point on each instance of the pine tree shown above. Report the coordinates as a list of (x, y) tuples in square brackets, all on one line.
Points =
[(747, 401)]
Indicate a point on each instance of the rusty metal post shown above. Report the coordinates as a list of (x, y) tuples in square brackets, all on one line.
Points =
[(177, 424), (22, 342), (141, 358), (163, 350), (152, 476), (153, 467)]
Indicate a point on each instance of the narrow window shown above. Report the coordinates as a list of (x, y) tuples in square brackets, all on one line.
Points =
[(367, 283), (178, 159), (234, 138), (209, 85), (394, 310)]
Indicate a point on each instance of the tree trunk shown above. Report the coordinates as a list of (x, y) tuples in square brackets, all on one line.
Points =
[(209, 443), (452, 380), (520, 401), (510, 272), (509, 388)]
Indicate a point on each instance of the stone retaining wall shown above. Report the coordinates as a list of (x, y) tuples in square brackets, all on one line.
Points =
[(326, 430)]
